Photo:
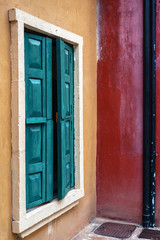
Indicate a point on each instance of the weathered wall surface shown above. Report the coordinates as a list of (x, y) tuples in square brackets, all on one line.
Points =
[(120, 109), (78, 17)]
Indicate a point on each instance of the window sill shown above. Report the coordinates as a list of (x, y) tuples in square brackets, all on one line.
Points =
[(44, 214)]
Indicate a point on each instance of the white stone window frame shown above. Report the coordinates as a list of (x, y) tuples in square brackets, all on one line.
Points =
[(25, 222)]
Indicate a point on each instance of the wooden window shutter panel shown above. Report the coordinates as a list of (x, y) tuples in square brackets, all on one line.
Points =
[(38, 127), (35, 115), (65, 117)]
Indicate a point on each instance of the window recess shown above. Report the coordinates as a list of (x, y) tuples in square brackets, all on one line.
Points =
[(31, 121)]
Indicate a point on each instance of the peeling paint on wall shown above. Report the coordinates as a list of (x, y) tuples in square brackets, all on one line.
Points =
[(120, 109)]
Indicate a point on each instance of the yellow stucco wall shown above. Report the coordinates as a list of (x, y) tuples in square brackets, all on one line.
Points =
[(77, 16)]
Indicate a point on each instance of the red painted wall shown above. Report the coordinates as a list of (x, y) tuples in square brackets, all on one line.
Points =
[(158, 113), (120, 109)]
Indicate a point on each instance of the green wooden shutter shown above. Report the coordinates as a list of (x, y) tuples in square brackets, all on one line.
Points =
[(50, 123), (39, 124), (65, 117)]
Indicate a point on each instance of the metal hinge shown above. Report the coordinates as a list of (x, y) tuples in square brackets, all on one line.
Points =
[(56, 116)]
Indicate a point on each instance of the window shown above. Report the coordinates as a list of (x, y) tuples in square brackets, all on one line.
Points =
[(49, 119), (32, 166)]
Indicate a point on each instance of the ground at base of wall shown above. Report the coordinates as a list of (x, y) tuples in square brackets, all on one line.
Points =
[(88, 232)]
